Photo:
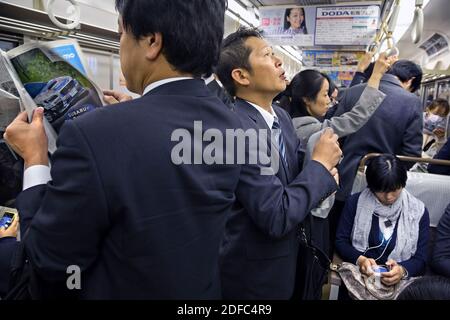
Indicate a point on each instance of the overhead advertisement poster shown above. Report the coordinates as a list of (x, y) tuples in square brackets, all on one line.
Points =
[(330, 60), (346, 25), (320, 25), (288, 25), (339, 65)]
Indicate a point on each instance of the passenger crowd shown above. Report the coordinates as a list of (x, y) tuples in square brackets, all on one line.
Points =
[(140, 225)]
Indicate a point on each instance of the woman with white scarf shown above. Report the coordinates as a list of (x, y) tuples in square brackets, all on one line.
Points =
[(385, 224)]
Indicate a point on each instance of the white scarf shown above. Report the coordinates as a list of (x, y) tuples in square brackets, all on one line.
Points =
[(407, 209)]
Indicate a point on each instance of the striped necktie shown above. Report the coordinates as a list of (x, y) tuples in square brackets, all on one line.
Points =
[(277, 135)]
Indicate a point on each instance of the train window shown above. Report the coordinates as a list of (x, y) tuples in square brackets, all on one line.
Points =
[(444, 89), (99, 64), (428, 93), (6, 45)]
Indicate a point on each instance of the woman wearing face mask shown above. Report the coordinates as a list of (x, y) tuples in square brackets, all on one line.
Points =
[(385, 224), (435, 125)]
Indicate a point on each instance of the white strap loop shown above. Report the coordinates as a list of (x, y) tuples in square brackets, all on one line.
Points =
[(75, 16)]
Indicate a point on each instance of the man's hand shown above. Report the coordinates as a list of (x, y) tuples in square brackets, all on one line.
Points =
[(112, 97), (326, 150), (29, 139), (334, 172), (12, 230), (365, 265), (395, 274)]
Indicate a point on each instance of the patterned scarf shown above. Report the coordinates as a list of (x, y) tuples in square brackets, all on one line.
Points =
[(406, 210)]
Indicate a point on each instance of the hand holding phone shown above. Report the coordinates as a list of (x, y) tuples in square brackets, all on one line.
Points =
[(9, 224)]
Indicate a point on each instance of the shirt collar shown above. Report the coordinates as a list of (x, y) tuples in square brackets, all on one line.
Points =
[(156, 84), (269, 118), (210, 79)]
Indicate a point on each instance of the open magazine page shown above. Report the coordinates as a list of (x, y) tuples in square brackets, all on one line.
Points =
[(9, 109), (51, 82), (9, 96)]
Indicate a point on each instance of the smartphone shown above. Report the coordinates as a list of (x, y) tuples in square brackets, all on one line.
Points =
[(7, 219), (380, 269)]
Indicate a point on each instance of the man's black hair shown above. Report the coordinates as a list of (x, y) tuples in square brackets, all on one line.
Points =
[(385, 173), (235, 54), (406, 70), (192, 30)]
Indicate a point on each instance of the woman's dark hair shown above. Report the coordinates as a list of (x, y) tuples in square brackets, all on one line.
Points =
[(385, 173), (283, 99), (235, 54), (439, 103), (332, 85), (306, 84), (181, 23), (406, 70), (427, 288), (287, 24)]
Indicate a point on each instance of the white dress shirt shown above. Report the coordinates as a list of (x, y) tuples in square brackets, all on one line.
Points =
[(40, 174), (269, 117)]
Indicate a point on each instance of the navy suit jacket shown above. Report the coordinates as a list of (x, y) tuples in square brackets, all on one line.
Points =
[(138, 226), (8, 246), (395, 128), (443, 154), (259, 251), (441, 253)]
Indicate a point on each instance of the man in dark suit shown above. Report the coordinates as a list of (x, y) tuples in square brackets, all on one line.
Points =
[(138, 225), (441, 253), (259, 250), (8, 246), (443, 154), (395, 128)]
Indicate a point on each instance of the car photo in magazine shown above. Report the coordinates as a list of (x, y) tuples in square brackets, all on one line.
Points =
[(53, 83)]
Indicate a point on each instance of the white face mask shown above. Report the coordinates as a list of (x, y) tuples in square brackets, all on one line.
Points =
[(431, 121)]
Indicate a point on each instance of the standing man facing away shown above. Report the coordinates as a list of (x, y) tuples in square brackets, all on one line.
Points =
[(395, 128), (115, 204), (259, 251)]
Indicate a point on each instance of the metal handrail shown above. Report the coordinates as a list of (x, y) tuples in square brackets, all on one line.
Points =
[(368, 156)]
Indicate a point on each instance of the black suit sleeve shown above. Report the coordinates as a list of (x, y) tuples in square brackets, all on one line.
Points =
[(277, 209), (441, 253), (358, 79), (68, 216), (8, 246), (443, 154)]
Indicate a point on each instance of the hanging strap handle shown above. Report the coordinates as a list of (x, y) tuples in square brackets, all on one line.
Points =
[(61, 25)]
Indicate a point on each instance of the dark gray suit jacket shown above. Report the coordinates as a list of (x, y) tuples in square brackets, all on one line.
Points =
[(395, 128)]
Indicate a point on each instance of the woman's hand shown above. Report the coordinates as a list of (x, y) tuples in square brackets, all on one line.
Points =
[(396, 273), (365, 265), (381, 66), (12, 230), (439, 132)]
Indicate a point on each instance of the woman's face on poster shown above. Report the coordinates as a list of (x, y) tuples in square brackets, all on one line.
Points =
[(296, 18)]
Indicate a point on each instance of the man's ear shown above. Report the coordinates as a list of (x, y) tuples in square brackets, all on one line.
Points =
[(407, 84), (154, 44), (241, 76)]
